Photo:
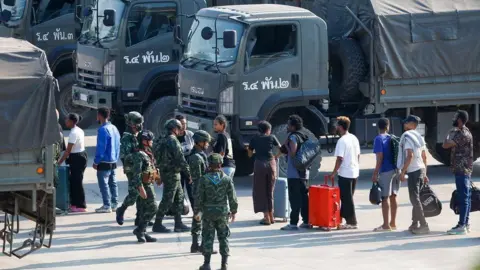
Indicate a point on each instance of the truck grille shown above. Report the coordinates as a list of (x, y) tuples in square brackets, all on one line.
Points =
[(199, 104), (89, 77)]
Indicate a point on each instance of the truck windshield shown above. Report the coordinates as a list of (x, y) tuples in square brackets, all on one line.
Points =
[(105, 33), (17, 10), (204, 50)]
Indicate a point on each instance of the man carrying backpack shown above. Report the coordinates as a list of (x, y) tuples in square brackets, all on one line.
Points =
[(385, 174), (297, 180)]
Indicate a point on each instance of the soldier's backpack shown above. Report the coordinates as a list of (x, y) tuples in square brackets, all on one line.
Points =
[(395, 145)]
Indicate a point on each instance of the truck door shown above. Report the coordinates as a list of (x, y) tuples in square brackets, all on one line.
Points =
[(272, 66), (149, 42), (53, 24)]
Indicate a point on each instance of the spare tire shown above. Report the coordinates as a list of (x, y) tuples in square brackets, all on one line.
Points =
[(347, 69)]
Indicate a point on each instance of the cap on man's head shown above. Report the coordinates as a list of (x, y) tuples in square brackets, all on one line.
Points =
[(412, 119)]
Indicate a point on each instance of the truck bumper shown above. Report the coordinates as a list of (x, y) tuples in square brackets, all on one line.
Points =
[(92, 98)]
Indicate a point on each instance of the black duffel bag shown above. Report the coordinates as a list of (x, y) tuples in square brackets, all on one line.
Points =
[(474, 200), (432, 206), (375, 196)]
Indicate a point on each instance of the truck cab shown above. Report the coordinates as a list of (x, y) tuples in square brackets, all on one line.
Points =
[(251, 63), (128, 55), (53, 26)]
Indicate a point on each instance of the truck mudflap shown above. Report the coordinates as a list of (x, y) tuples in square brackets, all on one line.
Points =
[(35, 205)]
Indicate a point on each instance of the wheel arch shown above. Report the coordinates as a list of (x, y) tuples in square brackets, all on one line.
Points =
[(61, 60), (159, 82)]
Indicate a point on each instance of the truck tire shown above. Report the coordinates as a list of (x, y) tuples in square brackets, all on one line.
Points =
[(347, 69), (243, 163), (65, 104), (281, 133), (158, 113)]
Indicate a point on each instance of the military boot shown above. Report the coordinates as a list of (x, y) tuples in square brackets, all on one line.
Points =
[(149, 238), (194, 248), (179, 226), (206, 262), (138, 232), (224, 262), (119, 214), (158, 227)]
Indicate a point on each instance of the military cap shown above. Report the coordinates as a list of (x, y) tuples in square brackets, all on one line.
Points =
[(201, 136), (215, 159), (172, 123), (147, 135)]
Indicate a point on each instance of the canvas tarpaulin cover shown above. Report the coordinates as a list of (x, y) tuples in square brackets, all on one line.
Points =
[(27, 98), (412, 38)]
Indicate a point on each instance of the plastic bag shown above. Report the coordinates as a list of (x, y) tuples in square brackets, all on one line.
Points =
[(375, 196)]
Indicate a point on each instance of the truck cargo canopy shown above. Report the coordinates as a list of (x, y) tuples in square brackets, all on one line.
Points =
[(27, 98), (412, 38)]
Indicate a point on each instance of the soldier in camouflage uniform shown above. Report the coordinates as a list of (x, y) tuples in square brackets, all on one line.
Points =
[(143, 174), (198, 163), (128, 144), (171, 162), (215, 193)]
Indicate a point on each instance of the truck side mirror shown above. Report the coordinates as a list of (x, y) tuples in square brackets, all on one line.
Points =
[(177, 34), (109, 17), (229, 39), (5, 15), (9, 3)]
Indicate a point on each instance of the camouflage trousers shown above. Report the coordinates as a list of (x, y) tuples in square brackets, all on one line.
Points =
[(172, 196), (212, 225), (146, 207), (196, 225), (132, 196)]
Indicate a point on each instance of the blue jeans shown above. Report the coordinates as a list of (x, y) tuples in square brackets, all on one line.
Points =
[(463, 197), (108, 187), (230, 171)]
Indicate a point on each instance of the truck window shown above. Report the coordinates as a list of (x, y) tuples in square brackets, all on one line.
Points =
[(146, 21), (46, 10), (268, 44)]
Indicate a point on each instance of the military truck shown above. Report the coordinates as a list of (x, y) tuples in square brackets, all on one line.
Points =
[(28, 142), (375, 59), (54, 26)]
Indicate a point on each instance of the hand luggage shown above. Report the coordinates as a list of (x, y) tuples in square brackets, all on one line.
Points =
[(281, 205), (62, 189), (432, 206), (474, 200), (324, 205), (375, 195)]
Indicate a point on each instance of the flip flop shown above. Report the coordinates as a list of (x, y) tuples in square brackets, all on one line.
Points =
[(264, 222), (381, 229), (347, 227)]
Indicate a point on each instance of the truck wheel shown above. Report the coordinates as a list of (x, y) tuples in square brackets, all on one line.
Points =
[(244, 164), (158, 113), (66, 106), (281, 133), (119, 122), (347, 69)]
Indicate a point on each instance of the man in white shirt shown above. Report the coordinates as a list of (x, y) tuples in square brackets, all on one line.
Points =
[(347, 167), (412, 161)]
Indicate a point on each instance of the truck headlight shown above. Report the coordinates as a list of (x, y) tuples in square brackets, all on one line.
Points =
[(109, 74), (226, 101)]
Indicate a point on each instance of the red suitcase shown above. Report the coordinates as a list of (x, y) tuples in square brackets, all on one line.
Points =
[(324, 206)]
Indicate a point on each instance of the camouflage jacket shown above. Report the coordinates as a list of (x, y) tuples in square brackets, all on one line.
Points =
[(197, 161), (169, 156), (139, 162), (128, 144), (215, 193)]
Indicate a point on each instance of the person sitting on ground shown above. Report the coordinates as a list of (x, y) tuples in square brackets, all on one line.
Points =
[(265, 171), (385, 175)]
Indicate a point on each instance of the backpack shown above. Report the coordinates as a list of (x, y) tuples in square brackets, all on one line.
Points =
[(307, 152), (395, 145), (432, 206)]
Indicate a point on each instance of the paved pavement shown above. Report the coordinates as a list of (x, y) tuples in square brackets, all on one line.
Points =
[(95, 241)]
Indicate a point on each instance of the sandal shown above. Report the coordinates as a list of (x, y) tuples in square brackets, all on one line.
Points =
[(265, 222), (381, 229)]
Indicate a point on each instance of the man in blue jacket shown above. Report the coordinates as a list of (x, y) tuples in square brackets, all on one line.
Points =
[(106, 157)]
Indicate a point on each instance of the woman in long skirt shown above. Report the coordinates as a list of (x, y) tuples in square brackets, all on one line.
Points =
[(265, 171)]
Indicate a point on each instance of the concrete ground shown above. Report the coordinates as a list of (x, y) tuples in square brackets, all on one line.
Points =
[(95, 241)]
